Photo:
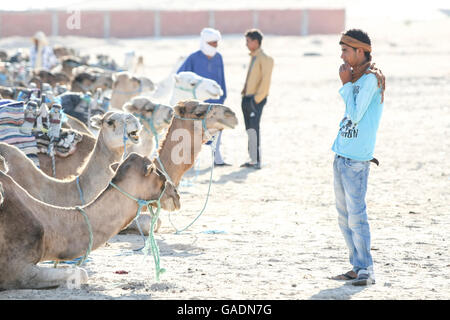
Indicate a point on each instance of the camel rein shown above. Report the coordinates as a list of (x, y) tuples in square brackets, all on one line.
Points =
[(150, 242), (213, 150)]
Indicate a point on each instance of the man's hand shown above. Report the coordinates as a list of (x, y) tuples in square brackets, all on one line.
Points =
[(345, 73)]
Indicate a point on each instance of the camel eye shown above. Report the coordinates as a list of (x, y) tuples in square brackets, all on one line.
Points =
[(110, 122), (193, 84)]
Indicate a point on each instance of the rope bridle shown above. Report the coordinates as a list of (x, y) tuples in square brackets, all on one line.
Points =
[(191, 90)]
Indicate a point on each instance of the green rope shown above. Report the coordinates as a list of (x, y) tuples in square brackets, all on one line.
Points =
[(177, 231), (150, 242), (213, 150), (91, 239)]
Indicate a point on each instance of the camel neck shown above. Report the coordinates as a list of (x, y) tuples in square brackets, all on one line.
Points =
[(180, 148), (66, 233), (98, 165)]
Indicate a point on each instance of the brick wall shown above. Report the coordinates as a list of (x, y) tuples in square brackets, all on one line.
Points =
[(149, 23)]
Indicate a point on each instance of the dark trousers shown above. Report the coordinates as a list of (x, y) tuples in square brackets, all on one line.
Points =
[(252, 112)]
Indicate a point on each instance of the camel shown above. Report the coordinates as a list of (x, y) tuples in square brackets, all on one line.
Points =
[(165, 86), (110, 143), (218, 117), (89, 79), (127, 86), (189, 85), (13, 92), (72, 191), (150, 114), (42, 76), (32, 231), (77, 104)]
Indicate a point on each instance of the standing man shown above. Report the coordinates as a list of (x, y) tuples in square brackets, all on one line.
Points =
[(254, 94), (208, 63), (363, 95), (41, 54)]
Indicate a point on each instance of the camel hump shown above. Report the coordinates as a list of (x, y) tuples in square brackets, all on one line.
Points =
[(22, 230)]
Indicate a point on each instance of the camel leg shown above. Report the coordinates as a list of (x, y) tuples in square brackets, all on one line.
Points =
[(34, 277)]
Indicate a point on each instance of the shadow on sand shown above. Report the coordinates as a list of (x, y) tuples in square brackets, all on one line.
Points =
[(235, 176), (344, 292)]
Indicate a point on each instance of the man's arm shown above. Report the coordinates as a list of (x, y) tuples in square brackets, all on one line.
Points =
[(187, 65), (355, 108), (266, 71), (222, 81)]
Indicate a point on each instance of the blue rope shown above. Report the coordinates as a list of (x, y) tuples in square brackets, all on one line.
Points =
[(91, 236), (81, 260), (79, 190), (125, 139), (193, 90)]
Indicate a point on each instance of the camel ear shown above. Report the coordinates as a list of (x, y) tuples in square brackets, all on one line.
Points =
[(180, 110), (149, 169), (3, 165), (177, 78), (129, 107), (96, 121), (114, 166)]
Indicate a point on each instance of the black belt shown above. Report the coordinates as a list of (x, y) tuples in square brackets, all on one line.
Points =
[(374, 160)]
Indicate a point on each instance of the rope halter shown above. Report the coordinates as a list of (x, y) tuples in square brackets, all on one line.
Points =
[(192, 90), (205, 129), (150, 242)]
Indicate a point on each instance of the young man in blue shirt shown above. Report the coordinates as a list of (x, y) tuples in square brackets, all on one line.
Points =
[(363, 95), (208, 63)]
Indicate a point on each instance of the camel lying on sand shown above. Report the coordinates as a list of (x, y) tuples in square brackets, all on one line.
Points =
[(218, 117), (150, 114), (89, 79), (126, 86), (93, 178), (32, 231), (43, 76), (111, 141)]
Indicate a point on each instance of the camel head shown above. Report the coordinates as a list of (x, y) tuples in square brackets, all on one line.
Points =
[(147, 111), (218, 117), (89, 79), (126, 86), (117, 128), (189, 85), (138, 176)]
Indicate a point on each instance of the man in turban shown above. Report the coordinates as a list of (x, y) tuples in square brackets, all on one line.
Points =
[(208, 63), (41, 54)]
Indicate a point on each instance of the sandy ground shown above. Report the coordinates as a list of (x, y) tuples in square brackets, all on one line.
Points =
[(273, 233)]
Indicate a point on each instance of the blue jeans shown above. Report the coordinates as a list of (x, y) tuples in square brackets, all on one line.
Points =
[(350, 186)]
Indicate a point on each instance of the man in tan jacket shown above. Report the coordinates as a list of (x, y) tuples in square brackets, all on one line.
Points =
[(254, 94)]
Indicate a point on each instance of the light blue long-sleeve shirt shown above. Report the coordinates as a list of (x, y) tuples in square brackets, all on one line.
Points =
[(212, 68), (358, 129)]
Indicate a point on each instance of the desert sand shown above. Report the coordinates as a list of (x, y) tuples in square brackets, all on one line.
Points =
[(273, 233)]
